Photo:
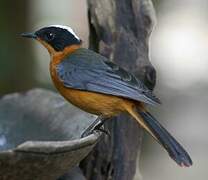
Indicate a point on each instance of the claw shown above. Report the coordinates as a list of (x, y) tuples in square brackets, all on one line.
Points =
[(97, 125), (105, 131)]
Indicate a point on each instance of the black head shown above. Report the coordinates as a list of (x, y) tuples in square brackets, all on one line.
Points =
[(58, 37)]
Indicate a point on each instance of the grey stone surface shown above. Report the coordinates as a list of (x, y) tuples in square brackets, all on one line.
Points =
[(40, 136)]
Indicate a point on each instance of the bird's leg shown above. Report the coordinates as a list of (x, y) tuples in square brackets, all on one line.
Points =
[(97, 125), (100, 126)]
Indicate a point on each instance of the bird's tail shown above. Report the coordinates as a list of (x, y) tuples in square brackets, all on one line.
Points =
[(174, 149)]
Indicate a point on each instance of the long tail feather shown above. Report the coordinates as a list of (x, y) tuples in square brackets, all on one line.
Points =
[(174, 149)]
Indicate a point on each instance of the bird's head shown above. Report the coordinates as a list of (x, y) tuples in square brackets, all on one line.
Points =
[(56, 38)]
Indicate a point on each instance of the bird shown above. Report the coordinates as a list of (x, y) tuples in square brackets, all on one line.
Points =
[(97, 85)]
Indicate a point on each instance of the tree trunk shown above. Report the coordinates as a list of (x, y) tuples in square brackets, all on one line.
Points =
[(120, 30)]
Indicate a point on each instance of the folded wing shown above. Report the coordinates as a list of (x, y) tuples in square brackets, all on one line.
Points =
[(80, 71)]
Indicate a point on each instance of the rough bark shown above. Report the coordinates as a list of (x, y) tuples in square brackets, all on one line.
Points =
[(120, 30)]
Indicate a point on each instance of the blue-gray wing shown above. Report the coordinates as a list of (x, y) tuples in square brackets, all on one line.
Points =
[(103, 77)]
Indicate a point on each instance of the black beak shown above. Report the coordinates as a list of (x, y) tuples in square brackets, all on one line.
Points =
[(29, 35)]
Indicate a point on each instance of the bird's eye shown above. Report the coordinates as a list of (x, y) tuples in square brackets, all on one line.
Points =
[(50, 36)]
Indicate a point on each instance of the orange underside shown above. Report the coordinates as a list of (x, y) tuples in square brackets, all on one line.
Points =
[(95, 103)]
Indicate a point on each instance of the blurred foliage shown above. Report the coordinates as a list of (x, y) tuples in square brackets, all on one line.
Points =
[(16, 61)]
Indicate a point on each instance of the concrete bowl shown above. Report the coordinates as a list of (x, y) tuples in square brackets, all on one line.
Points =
[(40, 136)]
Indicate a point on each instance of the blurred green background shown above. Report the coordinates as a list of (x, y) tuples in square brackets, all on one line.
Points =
[(179, 53)]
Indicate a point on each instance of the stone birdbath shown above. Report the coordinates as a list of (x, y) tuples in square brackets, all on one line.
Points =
[(40, 136)]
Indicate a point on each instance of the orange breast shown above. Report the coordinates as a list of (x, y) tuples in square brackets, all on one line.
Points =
[(95, 103)]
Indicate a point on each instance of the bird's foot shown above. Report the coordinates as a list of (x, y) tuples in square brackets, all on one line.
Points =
[(96, 126), (103, 130)]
